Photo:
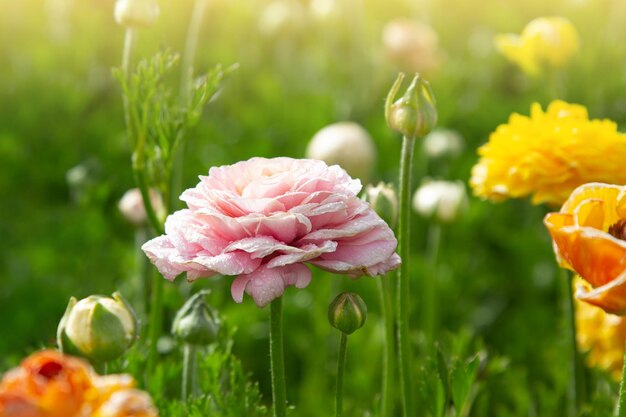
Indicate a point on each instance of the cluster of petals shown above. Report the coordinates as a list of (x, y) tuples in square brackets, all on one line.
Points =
[(548, 154), (50, 384), (588, 235), (261, 220), (602, 337), (545, 42)]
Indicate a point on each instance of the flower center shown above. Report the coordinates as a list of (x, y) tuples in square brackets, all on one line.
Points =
[(618, 230)]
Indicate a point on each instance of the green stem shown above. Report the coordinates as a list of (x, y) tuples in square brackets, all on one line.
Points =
[(341, 366), (142, 184), (385, 286), (430, 286), (191, 45), (190, 380), (574, 388), (621, 403), (279, 394), (127, 52), (403, 288), (156, 321)]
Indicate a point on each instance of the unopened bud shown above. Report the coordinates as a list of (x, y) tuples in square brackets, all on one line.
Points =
[(347, 312), (136, 13), (443, 200), (384, 201), (415, 113), (196, 323), (97, 327), (132, 208), (346, 144)]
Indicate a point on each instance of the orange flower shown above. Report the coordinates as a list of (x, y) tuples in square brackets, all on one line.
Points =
[(46, 384), (589, 236), (50, 384)]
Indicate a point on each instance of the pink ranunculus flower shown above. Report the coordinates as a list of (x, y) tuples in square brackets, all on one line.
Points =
[(263, 219)]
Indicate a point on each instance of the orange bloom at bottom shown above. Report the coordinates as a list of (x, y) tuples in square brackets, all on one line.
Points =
[(602, 336), (50, 384)]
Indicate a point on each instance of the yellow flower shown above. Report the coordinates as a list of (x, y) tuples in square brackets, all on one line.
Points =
[(545, 41), (602, 336), (549, 154)]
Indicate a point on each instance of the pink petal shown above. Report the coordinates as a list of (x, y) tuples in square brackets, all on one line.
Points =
[(266, 284)]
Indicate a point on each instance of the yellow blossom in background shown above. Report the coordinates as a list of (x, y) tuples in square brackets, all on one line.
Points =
[(548, 154), (602, 337), (544, 42)]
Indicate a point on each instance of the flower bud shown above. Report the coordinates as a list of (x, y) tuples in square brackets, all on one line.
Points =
[(132, 208), (415, 113), (384, 201), (136, 13), (97, 327), (443, 142), (347, 312), (196, 323), (443, 200), (346, 144)]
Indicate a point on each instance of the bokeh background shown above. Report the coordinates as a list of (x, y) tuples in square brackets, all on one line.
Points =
[(303, 64)]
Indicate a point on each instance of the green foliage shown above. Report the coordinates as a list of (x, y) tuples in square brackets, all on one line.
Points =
[(62, 236)]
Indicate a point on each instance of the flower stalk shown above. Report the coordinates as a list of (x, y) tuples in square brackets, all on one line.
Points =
[(386, 287), (190, 374), (403, 287), (413, 115), (621, 403), (279, 395), (574, 388), (341, 366)]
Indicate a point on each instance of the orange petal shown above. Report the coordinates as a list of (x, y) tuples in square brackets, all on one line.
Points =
[(610, 297), (597, 256)]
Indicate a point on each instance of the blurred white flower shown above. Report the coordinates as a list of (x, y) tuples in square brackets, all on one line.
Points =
[(442, 200), (132, 208), (346, 144), (136, 13), (280, 18), (443, 142), (412, 45)]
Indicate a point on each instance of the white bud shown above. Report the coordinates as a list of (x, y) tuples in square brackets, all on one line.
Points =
[(346, 144), (136, 13), (443, 142), (132, 208), (281, 18), (443, 200)]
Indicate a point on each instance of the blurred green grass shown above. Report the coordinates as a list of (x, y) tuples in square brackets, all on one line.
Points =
[(60, 108)]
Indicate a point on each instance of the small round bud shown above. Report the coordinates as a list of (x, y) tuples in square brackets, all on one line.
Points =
[(97, 327), (443, 200), (415, 113), (132, 208), (346, 144), (196, 323), (136, 13), (347, 312), (384, 201), (443, 142)]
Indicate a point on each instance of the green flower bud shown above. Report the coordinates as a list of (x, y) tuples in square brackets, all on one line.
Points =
[(98, 328), (384, 201), (415, 113), (196, 323), (347, 312)]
